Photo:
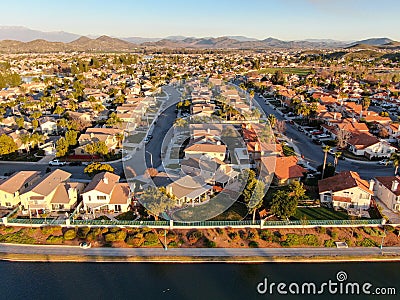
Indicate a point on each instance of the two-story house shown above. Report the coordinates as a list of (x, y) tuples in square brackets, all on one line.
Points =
[(105, 192), (346, 190), (387, 189), (53, 192), (12, 187)]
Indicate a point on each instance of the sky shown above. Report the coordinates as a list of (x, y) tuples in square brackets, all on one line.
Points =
[(283, 19)]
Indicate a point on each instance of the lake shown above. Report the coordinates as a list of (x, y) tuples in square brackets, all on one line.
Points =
[(183, 281)]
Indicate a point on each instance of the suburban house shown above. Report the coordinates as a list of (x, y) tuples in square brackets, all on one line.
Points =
[(285, 169), (105, 192), (364, 144), (12, 187), (212, 150), (212, 170), (346, 190), (189, 189), (387, 189), (48, 125), (53, 192)]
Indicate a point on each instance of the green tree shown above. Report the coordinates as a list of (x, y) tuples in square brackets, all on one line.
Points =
[(20, 122), (256, 200), (71, 136), (95, 168), (156, 202), (297, 190), (7, 145), (61, 147), (283, 205), (272, 120), (395, 159), (58, 111), (366, 101)]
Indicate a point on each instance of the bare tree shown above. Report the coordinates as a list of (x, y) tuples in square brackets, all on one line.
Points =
[(342, 136), (280, 126)]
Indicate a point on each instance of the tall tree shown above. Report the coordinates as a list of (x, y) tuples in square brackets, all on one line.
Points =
[(257, 196), (283, 205), (7, 145), (395, 159)]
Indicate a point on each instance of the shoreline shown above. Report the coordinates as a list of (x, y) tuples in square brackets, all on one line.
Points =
[(38, 258)]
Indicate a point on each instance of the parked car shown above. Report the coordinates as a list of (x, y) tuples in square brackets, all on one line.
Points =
[(56, 162), (75, 163), (316, 141), (385, 162), (127, 157), (85, 245)]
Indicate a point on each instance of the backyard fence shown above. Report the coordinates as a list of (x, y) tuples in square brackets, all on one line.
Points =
[(261, 224)]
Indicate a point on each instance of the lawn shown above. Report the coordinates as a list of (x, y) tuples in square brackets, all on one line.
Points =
[(319, 213), (135, 138), (236, 212), (297, 71)]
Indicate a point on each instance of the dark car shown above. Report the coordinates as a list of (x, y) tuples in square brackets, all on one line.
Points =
[(75, 163), (316, 141)]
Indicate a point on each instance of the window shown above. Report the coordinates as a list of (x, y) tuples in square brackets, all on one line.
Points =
[(101, 198), (89, 198), (8, 204), (117, 208)]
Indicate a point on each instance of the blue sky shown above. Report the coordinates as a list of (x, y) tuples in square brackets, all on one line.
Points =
[(283, 19)]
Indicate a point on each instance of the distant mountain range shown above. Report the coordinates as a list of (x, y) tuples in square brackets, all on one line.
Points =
[(22, 39)]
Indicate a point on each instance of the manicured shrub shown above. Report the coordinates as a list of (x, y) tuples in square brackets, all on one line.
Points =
[(329, 243), (70, 234), (55, 239), (48, 229), (209, 244), (253, 244), (110, 237), (82, 232), (194, 236), (96, 231), (150, 239), (120, 235), (266, 235), (233, 235), (113, 229), (367, 242), (134, 241), (310, 240), (172, 244)]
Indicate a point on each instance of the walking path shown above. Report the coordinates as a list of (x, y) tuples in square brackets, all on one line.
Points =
[(193, 252)]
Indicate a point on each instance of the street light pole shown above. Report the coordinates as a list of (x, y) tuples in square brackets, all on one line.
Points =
[(151, 157), (165, 240)]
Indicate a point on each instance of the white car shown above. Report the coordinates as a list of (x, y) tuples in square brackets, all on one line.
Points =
[(85, 245), (127, 157), (56, 162), (385, 162)]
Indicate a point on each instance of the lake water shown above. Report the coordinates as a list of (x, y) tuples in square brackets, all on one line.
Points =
[(181, 281)]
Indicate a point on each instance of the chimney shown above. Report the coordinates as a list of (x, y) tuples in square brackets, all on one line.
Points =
[(105, 180), (395, 185), (256, 147), (334, 116), (371, 185), (208, 130)]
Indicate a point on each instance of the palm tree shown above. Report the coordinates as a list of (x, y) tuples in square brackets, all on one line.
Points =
[(272, 120), (395, 158), (326, 150), (337, 155)]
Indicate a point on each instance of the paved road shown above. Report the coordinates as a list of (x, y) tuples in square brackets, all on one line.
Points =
[(313, 153), (194, 252), (164, 122)]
